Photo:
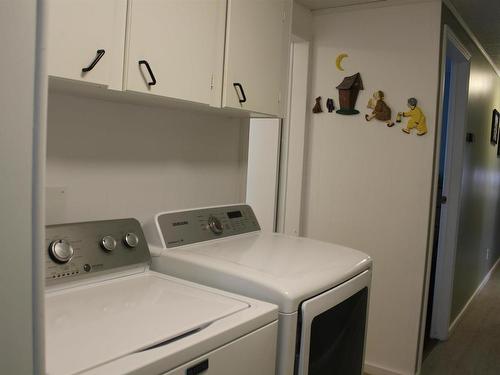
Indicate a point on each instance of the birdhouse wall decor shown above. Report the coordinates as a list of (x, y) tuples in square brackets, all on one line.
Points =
[(348, 94)]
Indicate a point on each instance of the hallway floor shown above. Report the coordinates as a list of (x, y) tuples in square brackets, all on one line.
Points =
[(474, 347)]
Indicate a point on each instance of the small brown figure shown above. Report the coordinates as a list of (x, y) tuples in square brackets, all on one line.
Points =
[(381, 110), (317, 106), (330, 105)]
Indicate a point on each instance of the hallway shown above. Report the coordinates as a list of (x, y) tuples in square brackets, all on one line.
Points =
[(474, 347)]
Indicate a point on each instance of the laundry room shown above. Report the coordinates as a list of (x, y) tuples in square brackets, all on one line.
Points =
[(251, 187)]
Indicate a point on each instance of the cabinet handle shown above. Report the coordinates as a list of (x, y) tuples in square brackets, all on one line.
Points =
[(153, 79), (236, 86), (100, 53)]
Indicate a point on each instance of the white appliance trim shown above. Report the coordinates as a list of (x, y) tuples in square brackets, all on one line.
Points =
[(314, 306)]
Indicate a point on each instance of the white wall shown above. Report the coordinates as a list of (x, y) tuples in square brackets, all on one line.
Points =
[(301, 22), (369, 186), (117, 160), (21, 123)]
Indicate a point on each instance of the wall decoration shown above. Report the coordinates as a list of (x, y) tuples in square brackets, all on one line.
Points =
[(416, 118), (381, 110), (498, 150), (348, 94), (338, 61), (495, 121), (330, 105), (317, 106), (470, 137)]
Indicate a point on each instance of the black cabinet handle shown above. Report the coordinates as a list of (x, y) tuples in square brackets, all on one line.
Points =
[(198, 368), (153, 79), (100, 53), (238, 86)]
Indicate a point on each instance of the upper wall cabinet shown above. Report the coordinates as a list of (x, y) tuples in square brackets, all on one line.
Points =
[(257, 39), (223, 53), (176, 49), (85, 40)]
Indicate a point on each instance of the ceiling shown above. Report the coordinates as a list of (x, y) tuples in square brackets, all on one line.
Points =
[(323, 4), (482, 17)]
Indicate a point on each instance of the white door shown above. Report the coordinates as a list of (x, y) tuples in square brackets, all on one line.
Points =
[(254, 62), (175, 49), (80, 39), (456, 83)]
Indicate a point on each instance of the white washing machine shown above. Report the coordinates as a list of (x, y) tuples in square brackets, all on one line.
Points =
[(107, 313), (322, 289)]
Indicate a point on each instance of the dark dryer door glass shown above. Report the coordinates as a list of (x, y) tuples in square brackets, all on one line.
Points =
[(337, 338)]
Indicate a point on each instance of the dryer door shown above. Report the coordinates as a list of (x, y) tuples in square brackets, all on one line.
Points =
[(333, 329)]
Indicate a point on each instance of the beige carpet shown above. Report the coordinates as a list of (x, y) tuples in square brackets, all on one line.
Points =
[(474, 347)]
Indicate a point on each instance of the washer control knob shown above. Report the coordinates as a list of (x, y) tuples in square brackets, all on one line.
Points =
[(108, 243), (131, 240), (215, 225), (61, 251)]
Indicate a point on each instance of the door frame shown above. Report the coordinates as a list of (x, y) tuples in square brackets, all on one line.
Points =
[(293, 141), (446, 268), (22, 159), (450, 212)]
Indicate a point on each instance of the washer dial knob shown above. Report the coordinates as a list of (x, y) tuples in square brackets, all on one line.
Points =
[(61, 251), (108, 243), (131, 240), (215, 225)]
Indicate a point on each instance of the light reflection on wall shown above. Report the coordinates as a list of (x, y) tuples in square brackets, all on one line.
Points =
[(480, 83)]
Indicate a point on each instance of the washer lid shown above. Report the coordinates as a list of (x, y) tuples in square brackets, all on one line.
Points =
[(90, 325), (273, 267)]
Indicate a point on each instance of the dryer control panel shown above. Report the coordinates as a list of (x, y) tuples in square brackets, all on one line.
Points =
[(192, 226), (82, 249)]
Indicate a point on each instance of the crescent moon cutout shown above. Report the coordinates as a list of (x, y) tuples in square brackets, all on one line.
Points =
[(338, 61)]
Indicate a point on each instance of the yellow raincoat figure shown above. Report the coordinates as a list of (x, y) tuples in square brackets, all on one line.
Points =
[(416, 118)]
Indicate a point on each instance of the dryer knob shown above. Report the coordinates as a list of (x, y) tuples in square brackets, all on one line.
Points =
[(131, 240), (61, 251), (215, 225)]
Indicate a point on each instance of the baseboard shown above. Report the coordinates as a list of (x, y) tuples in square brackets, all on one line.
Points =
[(371, 369), (479, 288)]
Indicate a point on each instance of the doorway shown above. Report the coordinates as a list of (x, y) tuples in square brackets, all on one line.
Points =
[(454, 97)]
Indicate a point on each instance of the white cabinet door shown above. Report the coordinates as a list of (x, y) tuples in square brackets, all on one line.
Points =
[(182, 44), (81, 39), (256, 33)]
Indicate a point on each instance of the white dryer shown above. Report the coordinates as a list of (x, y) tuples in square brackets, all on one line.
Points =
[(322, 289), (107, 313)]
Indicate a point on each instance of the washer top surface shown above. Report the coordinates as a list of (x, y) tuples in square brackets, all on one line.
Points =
[(276, 268), (95, 323)]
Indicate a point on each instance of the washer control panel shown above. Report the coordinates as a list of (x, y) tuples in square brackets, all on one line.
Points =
[(83, 249), (192, 226)]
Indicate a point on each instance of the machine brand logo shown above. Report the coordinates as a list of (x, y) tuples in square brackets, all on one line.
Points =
[(178, 223)]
